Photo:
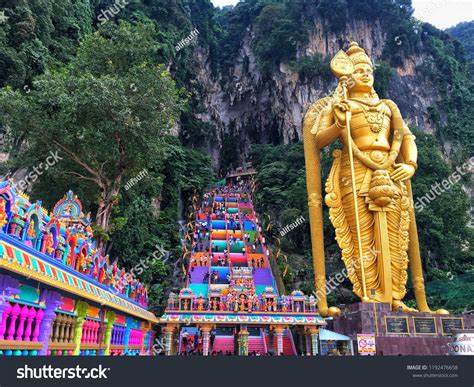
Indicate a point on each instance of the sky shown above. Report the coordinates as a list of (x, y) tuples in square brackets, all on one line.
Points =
[(440, 13), (222, 3), (444, 13)]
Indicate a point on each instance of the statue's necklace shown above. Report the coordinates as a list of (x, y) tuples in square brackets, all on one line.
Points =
[(374, 115)]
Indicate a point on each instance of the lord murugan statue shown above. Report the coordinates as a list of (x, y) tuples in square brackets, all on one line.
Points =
[(368, 190)]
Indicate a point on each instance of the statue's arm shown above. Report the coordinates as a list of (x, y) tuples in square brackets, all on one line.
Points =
[(327, 130), (408, 149)]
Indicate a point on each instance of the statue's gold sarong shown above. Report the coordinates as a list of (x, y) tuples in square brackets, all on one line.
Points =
[(339, 198)]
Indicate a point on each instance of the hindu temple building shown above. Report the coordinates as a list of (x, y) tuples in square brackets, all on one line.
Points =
[(59, 295), (231, 304)]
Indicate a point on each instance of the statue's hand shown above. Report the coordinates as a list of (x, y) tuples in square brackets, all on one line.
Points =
[(340, 109), (402, 172)]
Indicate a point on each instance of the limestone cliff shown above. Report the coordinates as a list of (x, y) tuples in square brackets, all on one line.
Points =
[(251, 107)]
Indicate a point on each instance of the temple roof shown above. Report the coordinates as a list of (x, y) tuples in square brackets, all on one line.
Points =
[(29, 263), (58, 249), (186, 317)]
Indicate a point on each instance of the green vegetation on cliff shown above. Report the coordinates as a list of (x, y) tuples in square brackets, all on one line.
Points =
[(464, 32), (40, 35)]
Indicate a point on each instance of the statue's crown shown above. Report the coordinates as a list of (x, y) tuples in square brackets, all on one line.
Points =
[(357, 54)]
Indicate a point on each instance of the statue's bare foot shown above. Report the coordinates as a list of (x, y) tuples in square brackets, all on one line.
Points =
[(398, 305)]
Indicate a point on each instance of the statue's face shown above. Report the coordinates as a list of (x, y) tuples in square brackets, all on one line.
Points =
[(362, 78)]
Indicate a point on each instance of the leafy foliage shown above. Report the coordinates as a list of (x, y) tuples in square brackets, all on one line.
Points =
[(452, 292), (383, 73), (113, 89), (111, 96), (277, 35), (40, 34), (464, 32), (444, 243), (310, 67), (231, 26), (448, 70), (151, 224)]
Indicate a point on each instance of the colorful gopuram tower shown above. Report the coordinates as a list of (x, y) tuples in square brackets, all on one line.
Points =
[(58, 294)]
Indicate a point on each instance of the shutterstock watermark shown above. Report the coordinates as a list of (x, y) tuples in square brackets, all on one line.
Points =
[(138, 269), (337, 280), (38, 170), (50, 372), (112, 11), (440, 187), (188, 40), (159, 347)]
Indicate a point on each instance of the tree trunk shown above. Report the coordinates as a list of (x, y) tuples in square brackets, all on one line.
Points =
[(109, 188), (108, 197)]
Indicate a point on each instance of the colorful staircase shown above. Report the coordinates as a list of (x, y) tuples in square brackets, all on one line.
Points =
[(236, 259), (257, 344), (223, 344), (197, 275), (263, 277), (288, 344)]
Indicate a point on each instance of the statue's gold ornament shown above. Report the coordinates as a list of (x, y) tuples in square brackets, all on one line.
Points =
[(368, 190)]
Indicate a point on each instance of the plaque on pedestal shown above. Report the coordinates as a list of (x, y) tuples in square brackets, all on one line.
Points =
[(396, 325), (400, 333), (425, 325), (449, 323)]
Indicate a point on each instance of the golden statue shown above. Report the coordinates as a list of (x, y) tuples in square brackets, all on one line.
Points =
[(368, 190)]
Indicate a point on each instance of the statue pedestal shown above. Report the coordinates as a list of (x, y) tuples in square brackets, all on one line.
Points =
[(400, 333)]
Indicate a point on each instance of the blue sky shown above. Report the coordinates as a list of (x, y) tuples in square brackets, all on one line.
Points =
[(441, 13)]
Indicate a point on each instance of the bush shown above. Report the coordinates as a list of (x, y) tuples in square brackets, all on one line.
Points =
[(310, 67)]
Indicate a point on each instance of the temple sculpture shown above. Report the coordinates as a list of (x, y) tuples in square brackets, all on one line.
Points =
[(60, 295), (368, 190)]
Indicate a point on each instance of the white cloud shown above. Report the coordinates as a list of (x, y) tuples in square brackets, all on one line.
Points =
[(222, 3), (444, 13)]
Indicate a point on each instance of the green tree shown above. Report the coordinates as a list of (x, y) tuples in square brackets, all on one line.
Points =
[(464, 32), (39, 34), (107, 112)]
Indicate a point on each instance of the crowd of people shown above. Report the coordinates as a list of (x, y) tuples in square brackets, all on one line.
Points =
[(192, 345), (216, 256)]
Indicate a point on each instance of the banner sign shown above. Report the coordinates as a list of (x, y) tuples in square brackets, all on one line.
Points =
[(366, 344)]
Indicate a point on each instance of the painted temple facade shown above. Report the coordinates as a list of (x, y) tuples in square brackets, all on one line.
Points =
[(230, 303), (59, 295)]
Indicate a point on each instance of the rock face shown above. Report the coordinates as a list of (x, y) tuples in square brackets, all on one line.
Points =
[(254, 109)]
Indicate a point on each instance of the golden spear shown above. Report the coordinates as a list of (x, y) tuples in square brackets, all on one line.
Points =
[(342, 67)]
